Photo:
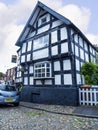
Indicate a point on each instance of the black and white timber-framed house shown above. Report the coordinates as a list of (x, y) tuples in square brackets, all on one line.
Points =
[(51, 52)]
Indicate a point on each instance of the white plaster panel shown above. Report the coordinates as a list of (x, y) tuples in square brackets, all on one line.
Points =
[(85, 46), (31, 34), (19, 80), (67, 79), (24, 34), (86, 57), (54, 50), (57, 79), (66, 65), (38, 82), (54, 36), (57, 66), (28, 57), (30, 69), (91, 49), (25, 80), (76, 38), (64, 47), (48, 82), (18, 74), (43, 29), (31, 80), (77, 65), (56, 23), (63, 33), (81, 53), (76, 51), (24, 47), (40, 54), (29, 46), (22, 58), (78, 79), (81, 41)]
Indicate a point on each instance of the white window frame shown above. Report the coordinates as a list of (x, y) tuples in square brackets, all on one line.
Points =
[(41, 70)]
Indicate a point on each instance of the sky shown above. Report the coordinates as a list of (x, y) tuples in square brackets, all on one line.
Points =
[(15, 13)]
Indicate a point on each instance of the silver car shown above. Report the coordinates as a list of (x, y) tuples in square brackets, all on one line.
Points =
[(9, 95)]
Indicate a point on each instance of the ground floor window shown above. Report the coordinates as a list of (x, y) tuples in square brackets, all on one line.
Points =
[(42, 70)]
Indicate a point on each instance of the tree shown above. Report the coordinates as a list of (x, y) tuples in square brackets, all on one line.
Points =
[(90, 72), (1, 75)]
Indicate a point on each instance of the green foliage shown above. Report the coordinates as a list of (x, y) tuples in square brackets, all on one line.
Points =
[(90, 72), (1, 75)]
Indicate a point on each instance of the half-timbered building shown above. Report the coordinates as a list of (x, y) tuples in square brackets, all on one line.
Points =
[(51, 52)]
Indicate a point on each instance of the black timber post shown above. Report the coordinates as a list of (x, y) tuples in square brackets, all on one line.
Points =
[(72, 56)]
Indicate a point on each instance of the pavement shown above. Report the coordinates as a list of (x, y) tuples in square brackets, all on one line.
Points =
[(81, 111)]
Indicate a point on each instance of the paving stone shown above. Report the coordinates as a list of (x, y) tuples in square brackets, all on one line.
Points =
[(22, 118)]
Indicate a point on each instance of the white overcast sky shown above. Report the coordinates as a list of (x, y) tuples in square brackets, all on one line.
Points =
[(15, 13)]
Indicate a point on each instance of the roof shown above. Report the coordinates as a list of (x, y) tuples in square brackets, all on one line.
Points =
[(34, 15)]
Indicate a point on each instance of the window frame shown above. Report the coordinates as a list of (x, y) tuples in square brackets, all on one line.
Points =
[(42, 70)]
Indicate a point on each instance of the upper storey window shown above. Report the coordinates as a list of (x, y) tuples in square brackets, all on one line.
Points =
[(41, 42), (44, 19)]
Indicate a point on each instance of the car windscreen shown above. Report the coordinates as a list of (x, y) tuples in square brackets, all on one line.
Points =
[(7, 88)]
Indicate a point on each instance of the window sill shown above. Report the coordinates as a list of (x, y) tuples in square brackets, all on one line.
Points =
[(42, 78)]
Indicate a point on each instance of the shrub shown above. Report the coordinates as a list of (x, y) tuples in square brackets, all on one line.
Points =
[(90, 72)]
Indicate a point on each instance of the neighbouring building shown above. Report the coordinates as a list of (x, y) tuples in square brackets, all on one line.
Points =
[(51, 52), (11, 76)]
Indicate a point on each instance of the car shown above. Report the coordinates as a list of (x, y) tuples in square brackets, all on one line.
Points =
[(9, 95)]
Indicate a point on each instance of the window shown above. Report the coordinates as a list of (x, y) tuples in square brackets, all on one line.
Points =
[(42, 70), (41, 42), (43, 20)]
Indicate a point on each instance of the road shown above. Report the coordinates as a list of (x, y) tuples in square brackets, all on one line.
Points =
[(22, 118)]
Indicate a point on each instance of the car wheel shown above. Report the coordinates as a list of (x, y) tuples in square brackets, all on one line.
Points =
[(16, 104)]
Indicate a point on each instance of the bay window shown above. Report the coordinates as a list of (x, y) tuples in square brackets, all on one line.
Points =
[(42, 70)]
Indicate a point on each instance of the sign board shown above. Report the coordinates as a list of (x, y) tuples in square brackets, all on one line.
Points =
[(14, 59)]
